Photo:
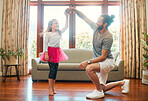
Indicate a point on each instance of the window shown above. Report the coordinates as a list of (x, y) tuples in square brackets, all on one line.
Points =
[(113, 0), (32, 40), (114, 28), (84, 34), (48, 9), (55, 0), (64, 44), (88, 0)]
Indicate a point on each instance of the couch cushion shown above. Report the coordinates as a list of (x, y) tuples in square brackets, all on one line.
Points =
[(66, 67), (78, 55), (69, 67), (62, 67), (75, 55), (115, 55), (43, 66), (41, 61)]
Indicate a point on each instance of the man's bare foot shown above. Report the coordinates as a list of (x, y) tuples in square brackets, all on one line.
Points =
[(51, 92)]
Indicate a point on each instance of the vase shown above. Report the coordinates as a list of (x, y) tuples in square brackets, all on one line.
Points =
[(12, 60), (145, 76)]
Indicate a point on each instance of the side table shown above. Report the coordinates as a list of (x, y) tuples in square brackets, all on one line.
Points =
[(17, 73)]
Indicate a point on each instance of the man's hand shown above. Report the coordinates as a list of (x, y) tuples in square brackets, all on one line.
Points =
[(83, 65), (70, 10)]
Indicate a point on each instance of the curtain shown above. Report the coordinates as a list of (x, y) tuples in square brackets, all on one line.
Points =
[(133, 23), (15, 30)]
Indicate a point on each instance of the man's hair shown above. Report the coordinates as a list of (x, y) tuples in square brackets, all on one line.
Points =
[(108, 19)]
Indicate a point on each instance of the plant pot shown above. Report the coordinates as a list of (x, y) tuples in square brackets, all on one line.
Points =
[(145, 76), (12, 60)]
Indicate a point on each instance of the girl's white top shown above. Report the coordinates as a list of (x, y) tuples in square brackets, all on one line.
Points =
[(51, 39)]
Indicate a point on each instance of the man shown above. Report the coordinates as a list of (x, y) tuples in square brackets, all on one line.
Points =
[(102, 62)]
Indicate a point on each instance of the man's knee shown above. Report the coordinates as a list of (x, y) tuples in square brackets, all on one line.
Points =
[(93, 68), (88, 69)]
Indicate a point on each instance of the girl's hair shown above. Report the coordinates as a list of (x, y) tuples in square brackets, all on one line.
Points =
[(108, 19), (49, 29)]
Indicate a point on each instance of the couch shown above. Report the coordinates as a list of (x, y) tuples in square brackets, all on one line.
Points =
[(69, 70)]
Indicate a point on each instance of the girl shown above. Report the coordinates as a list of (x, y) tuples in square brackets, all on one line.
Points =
[(52, 52)]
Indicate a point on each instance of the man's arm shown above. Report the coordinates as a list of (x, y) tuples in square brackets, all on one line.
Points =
[(100, 58), (96, 60), (82, 16)]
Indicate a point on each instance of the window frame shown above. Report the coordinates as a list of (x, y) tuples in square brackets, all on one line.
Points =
[(40, 16)]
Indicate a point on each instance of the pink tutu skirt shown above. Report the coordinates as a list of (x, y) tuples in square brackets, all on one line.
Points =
[(55, 55)]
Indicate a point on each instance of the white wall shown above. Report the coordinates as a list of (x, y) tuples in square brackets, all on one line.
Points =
[(1, 10)]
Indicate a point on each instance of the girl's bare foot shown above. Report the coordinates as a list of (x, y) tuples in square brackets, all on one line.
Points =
[(55, 92), (51, 92)]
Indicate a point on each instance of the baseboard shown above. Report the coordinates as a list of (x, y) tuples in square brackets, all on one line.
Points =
[(0, 73)]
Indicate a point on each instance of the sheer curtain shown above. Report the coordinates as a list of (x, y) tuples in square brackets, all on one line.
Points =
[(1, 10), (133, 23), (15, 29)]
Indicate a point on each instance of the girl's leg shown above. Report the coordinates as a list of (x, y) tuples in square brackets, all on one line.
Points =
[(56, 65), (50, 80), (111, 85), (52, 75), (51, 87)]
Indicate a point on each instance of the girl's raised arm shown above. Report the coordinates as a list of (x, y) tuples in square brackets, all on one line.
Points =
[(66, 23)]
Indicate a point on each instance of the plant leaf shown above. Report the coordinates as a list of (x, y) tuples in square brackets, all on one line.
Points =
[(144, 43), (145, 56), (145, 35), (146, 49), (146, 64), (15, 56)]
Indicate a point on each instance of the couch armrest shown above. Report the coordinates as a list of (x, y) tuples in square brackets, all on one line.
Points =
[(34, 63), (120, 65)]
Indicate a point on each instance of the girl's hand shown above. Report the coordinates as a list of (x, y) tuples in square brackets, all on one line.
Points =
[(67, 11), (46, 56), (70, 10)]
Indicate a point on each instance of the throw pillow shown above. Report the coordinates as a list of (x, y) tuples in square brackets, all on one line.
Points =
[(115, 55)]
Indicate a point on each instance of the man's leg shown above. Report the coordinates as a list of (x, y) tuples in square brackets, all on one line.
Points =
[(91, 71), (111, 85)]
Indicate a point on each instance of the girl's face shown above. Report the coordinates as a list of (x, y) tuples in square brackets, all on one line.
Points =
[(55, 25)]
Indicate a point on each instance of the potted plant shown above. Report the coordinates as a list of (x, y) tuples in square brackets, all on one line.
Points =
[(10, 57), (145, 60)]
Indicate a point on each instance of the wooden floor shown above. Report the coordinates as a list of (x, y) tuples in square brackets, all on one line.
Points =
[(26, 90)]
